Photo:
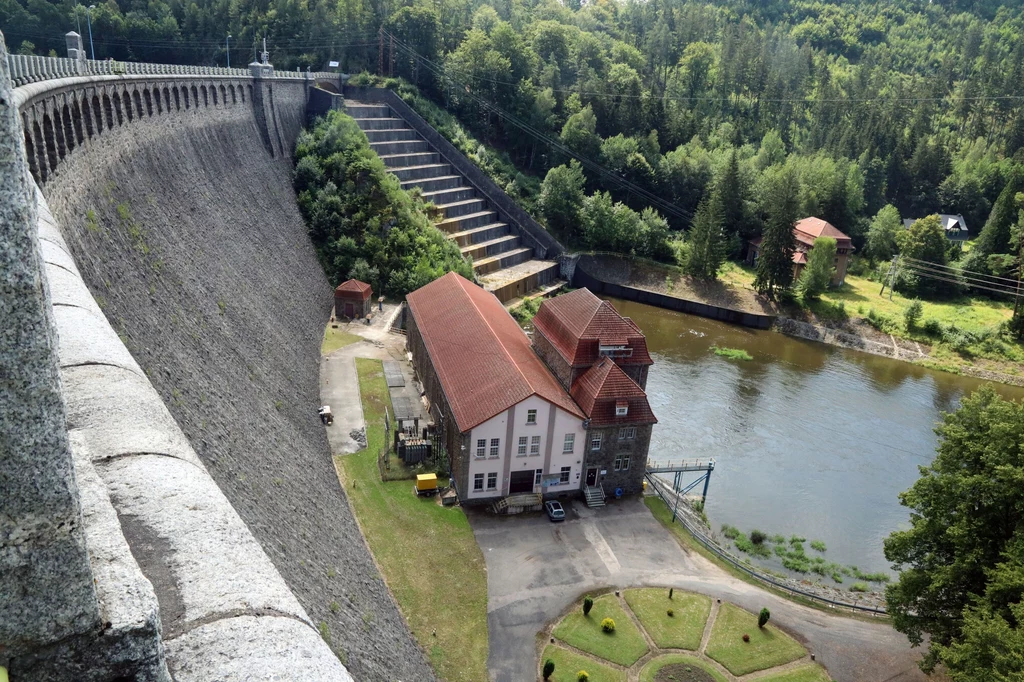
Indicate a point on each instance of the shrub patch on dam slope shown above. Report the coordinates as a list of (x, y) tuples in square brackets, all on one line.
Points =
[(225, 310)]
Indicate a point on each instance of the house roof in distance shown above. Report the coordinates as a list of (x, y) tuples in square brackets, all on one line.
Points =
[(353, 288), (578, 323), (954, 225), (604, 387), (809, 229), (482, 358)]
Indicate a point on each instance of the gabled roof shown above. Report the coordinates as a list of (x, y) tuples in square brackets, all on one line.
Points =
[(482, 358), (354, 286), (952, 224), (578, 323), (603, 387), (809, 229)]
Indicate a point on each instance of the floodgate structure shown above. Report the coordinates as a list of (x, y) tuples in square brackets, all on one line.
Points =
[(521, 421)]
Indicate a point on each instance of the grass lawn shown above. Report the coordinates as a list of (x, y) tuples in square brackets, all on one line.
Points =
[(335, 339), (625, 646), (683, 630), (567, 664), (861, 294), (652, 668), (426, 552), (805, 673), (767, 648)]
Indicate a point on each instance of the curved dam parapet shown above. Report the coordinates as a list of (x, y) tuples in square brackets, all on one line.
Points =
[(189, 309)]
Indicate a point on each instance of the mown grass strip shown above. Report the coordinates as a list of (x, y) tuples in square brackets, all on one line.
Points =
[(624, 646), (568, 664), (767, 648), (426, 553), (683, 629)]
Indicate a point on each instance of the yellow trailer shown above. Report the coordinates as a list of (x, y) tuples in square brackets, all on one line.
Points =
[(426, 484)]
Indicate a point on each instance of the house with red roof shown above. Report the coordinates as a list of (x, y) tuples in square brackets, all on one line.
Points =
[(806, 231), (601, 358), (509, 427), (352, 299)]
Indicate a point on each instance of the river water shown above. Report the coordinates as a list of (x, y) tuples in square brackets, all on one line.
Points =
[(808, 439)]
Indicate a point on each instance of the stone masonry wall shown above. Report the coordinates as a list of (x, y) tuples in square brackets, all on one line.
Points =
[(186, 232)]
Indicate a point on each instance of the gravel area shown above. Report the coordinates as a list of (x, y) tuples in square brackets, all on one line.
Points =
[(188, 235)]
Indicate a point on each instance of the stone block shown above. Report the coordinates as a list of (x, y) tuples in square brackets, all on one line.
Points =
[(128, 605), (192, 545), (254, 650), (68, 289), (86, 338), (56, 254), (121, 413)]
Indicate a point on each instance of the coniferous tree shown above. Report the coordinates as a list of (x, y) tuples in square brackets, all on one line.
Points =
[(730, 191), (778, 244), (707, 241)]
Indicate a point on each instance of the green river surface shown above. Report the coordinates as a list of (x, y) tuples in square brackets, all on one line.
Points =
[(809, 439)]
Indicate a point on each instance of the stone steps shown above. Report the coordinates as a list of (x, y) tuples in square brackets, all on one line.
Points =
[(494, 246)]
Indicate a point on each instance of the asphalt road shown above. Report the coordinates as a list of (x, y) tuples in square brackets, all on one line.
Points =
[(536, 569)]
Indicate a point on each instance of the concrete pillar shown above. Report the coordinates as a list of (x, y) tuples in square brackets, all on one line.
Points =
[(48, 596), (76, 51)]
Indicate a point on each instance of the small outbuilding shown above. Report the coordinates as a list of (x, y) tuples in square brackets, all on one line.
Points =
[(352, 299)]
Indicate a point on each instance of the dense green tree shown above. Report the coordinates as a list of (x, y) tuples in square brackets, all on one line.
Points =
[(817, 274), (960, 561), (775, 259), (885, 226), (561, 199), (924, 245), (707, 240)]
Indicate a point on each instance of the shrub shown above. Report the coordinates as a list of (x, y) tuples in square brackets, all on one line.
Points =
[(818, 545), (746, 637), (757, 537), (912, 315), (933, 328), (549, 668), (608, 625), (762, 618), (859, 587), (730, 532), (582, 676), (588, 604), (670, 613)]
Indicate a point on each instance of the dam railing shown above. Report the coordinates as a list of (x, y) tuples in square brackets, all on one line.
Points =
[(27, 69)]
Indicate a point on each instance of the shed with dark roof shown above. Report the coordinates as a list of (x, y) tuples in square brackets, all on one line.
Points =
[(352, 299)]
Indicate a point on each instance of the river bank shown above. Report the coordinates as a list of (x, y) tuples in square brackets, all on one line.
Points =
[(733, 299)]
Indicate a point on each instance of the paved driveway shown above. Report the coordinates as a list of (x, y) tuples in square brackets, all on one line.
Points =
[(536, 569)]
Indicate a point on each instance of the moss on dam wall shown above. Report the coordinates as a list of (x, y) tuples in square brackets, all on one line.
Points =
[(187, 233)]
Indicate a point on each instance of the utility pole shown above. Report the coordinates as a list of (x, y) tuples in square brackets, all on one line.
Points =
[(380, 52), (391, 57), (888, 278), (227, 49)]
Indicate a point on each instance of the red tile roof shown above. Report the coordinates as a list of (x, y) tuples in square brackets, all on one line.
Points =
[(578, 323), (482, 358), (354, 286), (604, 386), (809, 229)]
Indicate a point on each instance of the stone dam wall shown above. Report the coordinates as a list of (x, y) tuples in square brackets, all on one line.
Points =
[(190, 307)]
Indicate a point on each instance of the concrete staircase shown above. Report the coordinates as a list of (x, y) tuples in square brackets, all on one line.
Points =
[(594, 495), (517, 504), (501, 262)]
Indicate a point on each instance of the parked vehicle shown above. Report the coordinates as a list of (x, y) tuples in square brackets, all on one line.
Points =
[(554, 510), (426, 484)]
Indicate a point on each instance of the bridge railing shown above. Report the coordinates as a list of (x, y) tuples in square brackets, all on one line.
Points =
[(662, 465), (31, 69)]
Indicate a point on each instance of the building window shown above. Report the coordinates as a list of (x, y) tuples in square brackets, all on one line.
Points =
[(492, 481), (478, 482), (621, 410), (616, 351), (535, 445), (627, 433), (481, 447), (595, 441), (618, 463), (522, 447), (531, 416), (570, 442), (495, 442), (564, 474), (625, 462), (536, 479)]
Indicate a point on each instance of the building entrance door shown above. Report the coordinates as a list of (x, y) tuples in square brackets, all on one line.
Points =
[(592, 476), (350, 311), (520, 482)]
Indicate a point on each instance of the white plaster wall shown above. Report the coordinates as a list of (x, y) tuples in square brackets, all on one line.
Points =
[(521, 428), (495, 427), (567, 423)]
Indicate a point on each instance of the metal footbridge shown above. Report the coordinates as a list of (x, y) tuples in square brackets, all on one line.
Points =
[(682, 467)]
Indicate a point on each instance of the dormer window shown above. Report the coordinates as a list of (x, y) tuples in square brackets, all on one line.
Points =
[(621, 408), (615, 351)]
